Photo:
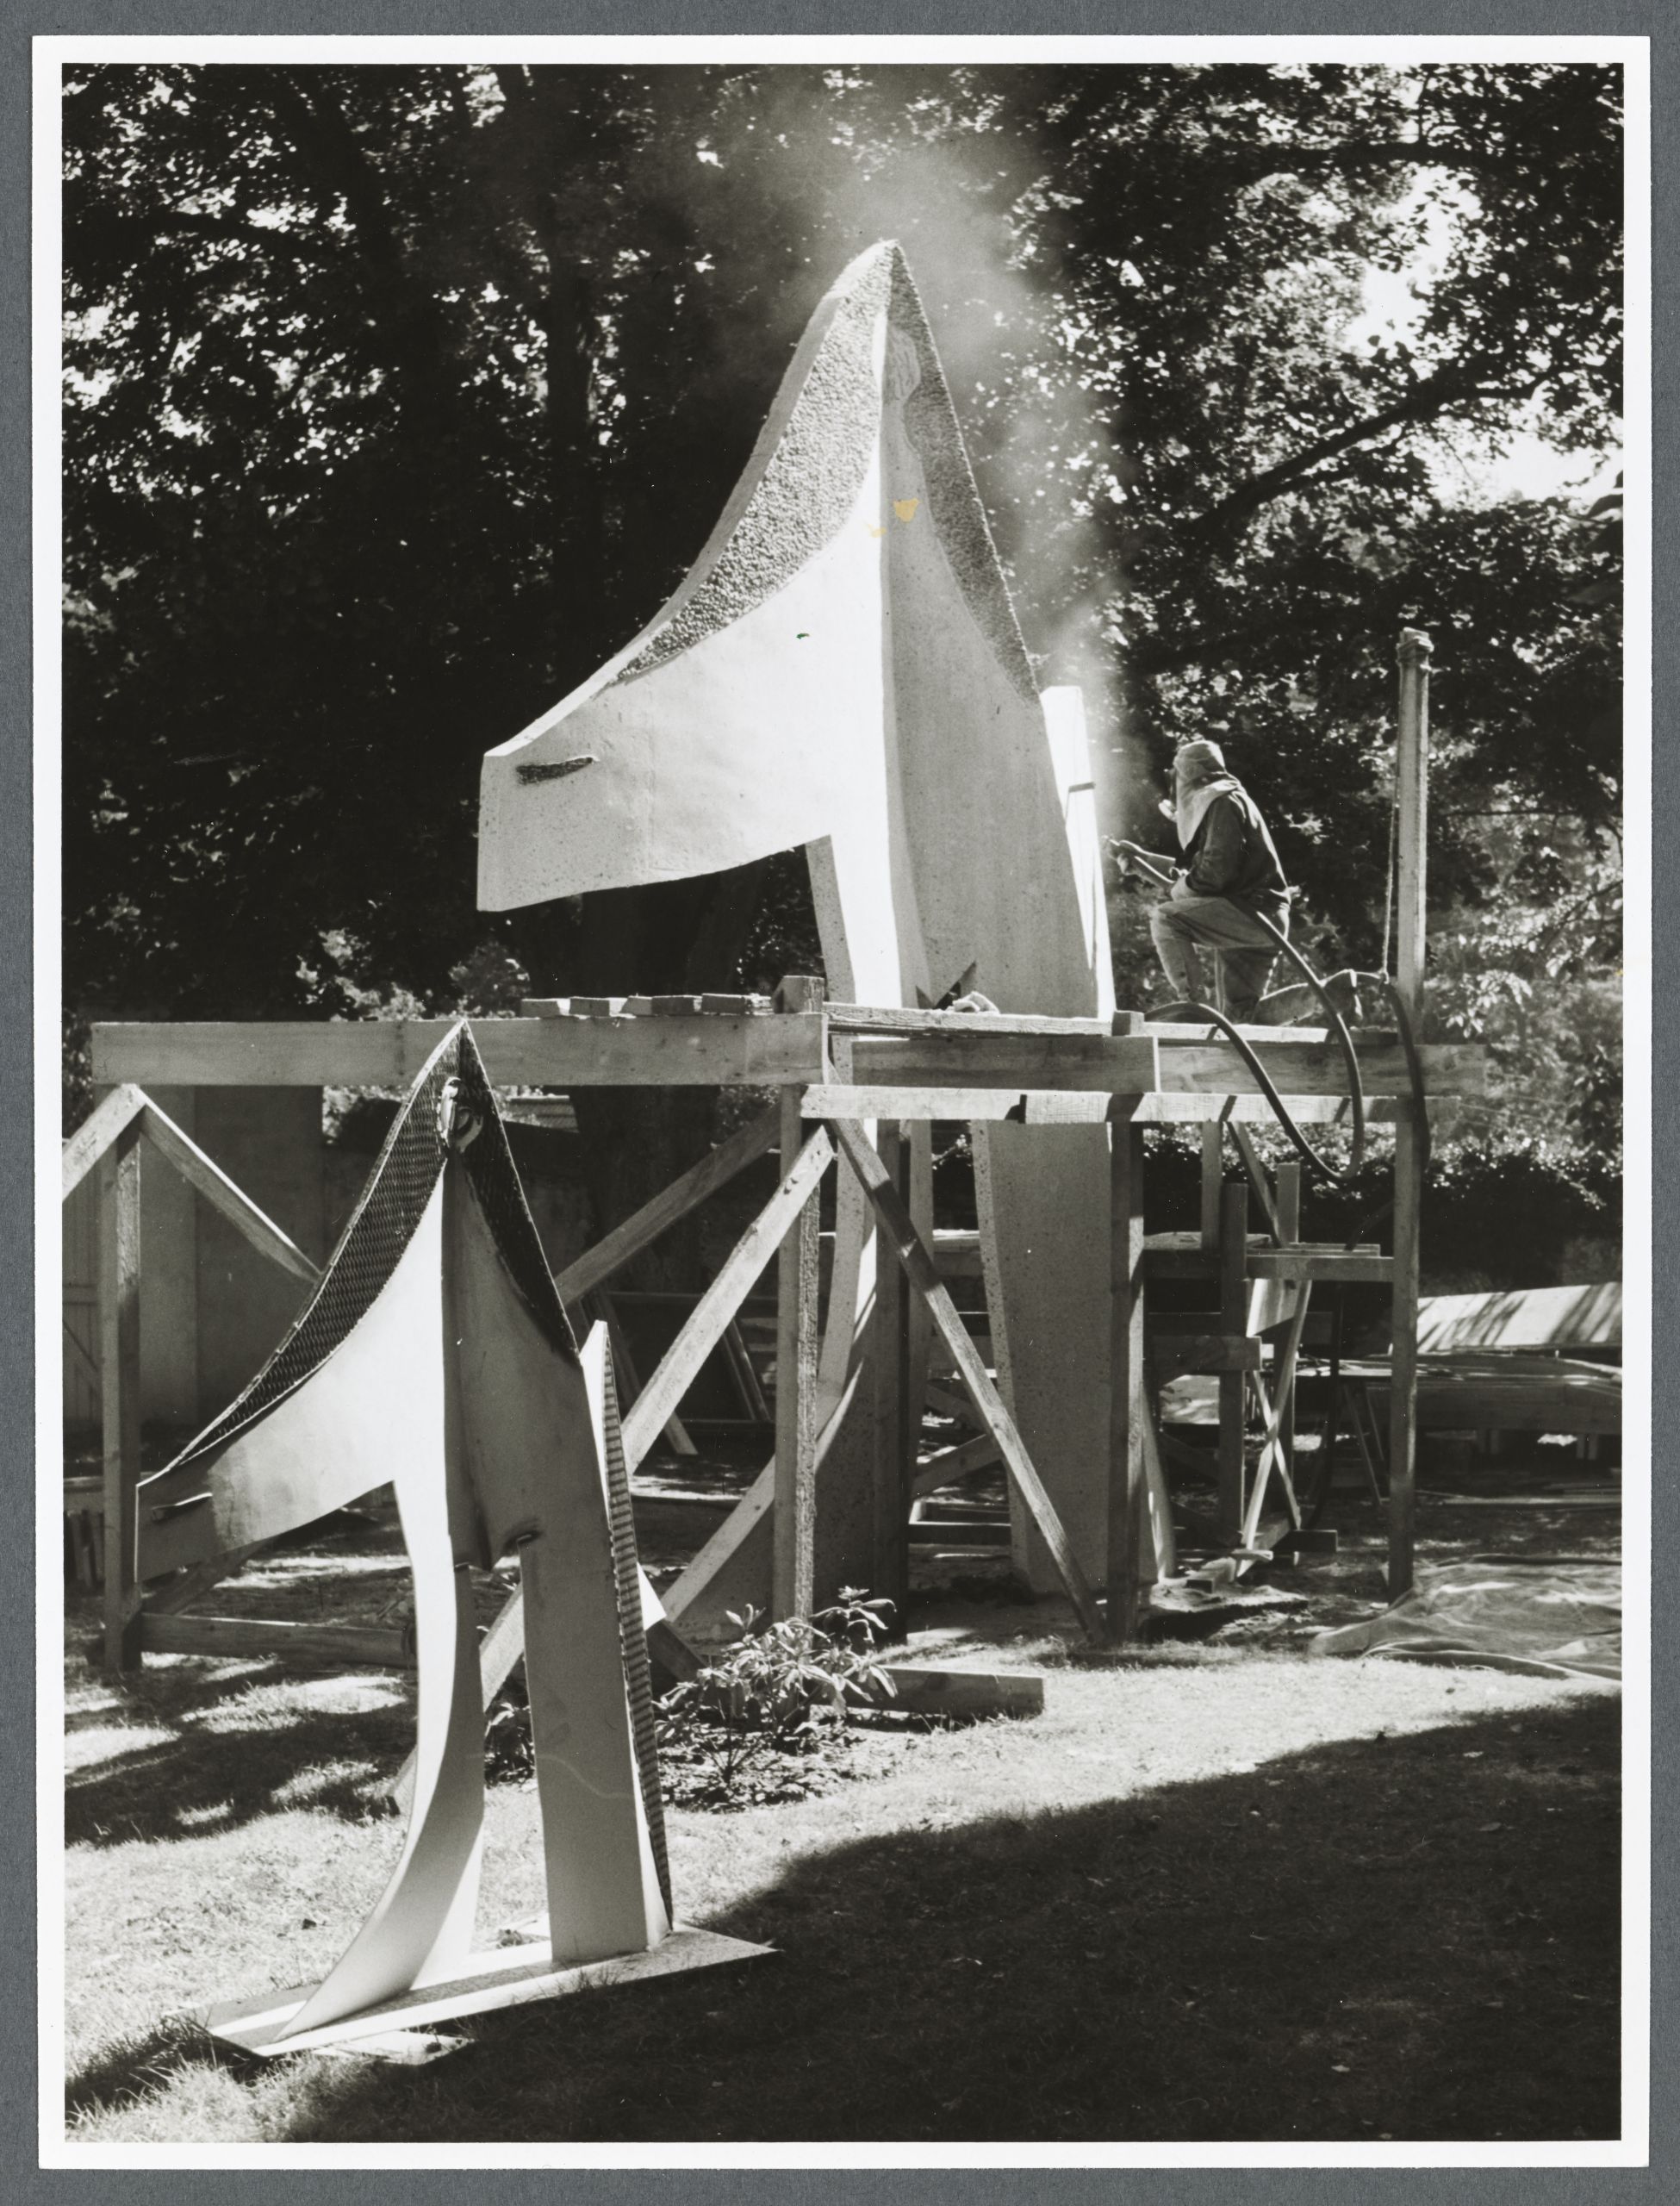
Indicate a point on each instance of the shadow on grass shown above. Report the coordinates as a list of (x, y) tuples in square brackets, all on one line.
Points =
[(134, 2066), (1414, 1938), (211, 1776)]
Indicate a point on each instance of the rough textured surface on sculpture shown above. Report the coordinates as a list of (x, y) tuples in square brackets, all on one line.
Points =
[(843, 669), (435, 1355)]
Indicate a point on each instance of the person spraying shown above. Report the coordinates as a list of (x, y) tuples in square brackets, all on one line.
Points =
[(1229, 874)]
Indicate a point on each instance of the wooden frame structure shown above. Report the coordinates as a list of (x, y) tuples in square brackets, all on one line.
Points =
[(904, 1067), (908, 1066)]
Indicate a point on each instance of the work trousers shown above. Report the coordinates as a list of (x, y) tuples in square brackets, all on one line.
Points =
[(1240, 949)]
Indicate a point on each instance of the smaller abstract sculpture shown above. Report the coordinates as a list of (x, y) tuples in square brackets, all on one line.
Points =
[(435, 1356)]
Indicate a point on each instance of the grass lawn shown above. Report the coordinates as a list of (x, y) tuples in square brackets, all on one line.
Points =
[(1214, 1892)]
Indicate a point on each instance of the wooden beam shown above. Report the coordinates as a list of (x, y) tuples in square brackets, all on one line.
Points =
[(793, 1568), (898, 1231), (1233, 1274), (167, 1596), (206, 1177), (894, 1019), (893, 1456), (699, 1051), (326, 1646), (615, 1249), (119, 1385), (1317, 1068), (80, 1356), (1254, 1165), (1121, 1063), (973, 1693), (755, 1505), (95, 1135), (752, 1253), (1302, 1261), (1213, 1178), (1128, 1404), (1076, 1107), (951, 1464), (1411, 796), (1174, 1353)]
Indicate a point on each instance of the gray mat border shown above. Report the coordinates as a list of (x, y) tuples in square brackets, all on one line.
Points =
[(24, 19)]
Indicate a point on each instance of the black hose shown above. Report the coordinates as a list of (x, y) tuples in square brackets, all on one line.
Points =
[(1309, 1155), (1347, 1176)]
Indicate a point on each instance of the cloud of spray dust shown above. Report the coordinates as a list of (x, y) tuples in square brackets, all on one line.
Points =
[(807, 167)]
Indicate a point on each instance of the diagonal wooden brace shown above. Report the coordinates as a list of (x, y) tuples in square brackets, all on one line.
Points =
[(505, 1642), (899, 1231)]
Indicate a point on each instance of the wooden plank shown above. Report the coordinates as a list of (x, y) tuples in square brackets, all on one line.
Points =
[(1297, 1263), (946, 1401), (898, 1231), (972, 1693), (892, 1019), (904, 1020), (1254, 1166), (1172, 1353), (752, 1253), (615, 1249), (168, 1597), (206, 1177), (1128, 1399), (1317, 1068), (1052, 1106), (1213, 1178), (527, 1052), (120, 1387), (1232, 1257), (1124, 1063), (80, 1356), (95, 1134), (1273, 1454), (893, 1456), (1537, 1317), (323, 1645), (755, 1505), (793, 1582), (951, 1464)]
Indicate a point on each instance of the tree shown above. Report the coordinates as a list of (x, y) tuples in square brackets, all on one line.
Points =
[(399, 397)]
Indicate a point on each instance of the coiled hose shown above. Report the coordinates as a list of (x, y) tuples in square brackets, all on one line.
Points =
[(1344, 1177)]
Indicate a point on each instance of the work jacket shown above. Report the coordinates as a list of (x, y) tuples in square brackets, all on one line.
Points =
[(1231, 855)]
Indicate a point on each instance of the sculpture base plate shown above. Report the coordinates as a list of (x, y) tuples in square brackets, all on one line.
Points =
[(505, 1976)]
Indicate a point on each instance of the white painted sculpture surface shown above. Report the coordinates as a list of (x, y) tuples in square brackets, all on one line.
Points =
[(843, 667), (434, 1356)]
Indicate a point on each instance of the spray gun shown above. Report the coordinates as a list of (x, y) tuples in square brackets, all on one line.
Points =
[(1131, 858)]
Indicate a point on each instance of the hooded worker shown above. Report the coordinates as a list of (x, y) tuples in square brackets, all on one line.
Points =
[(1229, 881)]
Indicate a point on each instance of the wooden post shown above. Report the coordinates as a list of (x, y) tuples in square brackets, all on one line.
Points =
[(120, 1387), (1233, 1319), (792, 1576), (1288, 1183), (1213, 1178), (895, 1455), (1411, 778), (1129, 1402)]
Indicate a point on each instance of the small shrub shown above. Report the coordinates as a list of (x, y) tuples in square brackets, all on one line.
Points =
[(766, 1720)]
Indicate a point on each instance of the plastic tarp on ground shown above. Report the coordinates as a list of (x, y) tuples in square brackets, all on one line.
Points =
[(1553, 1620)]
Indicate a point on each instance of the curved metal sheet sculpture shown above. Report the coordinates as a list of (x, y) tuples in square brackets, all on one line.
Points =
[(843, 667), (435, 1355)]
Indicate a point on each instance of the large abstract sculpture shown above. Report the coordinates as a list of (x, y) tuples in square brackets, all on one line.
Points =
[(843, 669), (435, 1355)]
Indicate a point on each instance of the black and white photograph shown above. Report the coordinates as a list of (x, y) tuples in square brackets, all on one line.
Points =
[(833, 932)]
